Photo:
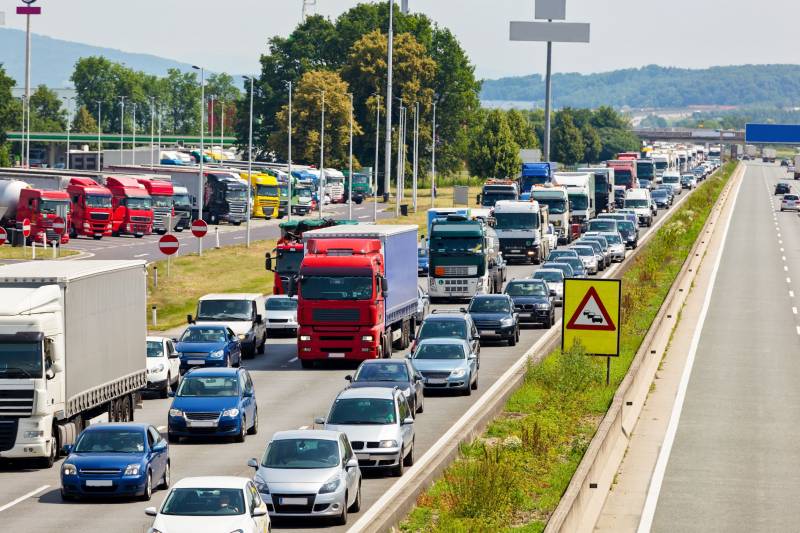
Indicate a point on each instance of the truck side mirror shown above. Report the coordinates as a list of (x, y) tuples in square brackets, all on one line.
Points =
[(384, 286), (57, 367), (268, 262), (259, 319), (189, 319)]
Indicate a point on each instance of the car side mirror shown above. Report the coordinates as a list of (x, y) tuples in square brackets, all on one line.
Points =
[(418, 377), (151, 511), (352, 463), (190, 319), (268, 262), (174, 355), (160, 446), (409, 420), (463, 309), (67, 449), (49, 373), (552, 292), (473, 356), (253, 463), (259, 511), (247, 394), (170, 394), (259, 319), (348, 377), (319, 421), (175, 339)]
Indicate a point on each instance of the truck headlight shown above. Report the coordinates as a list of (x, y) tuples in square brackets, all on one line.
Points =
[(132, 469), (218, 354), (305, 338), (230, 413), (388, 444), (458, 373), (331, 485), (367, 338), (175, 412), (69, 470), (33, 434)]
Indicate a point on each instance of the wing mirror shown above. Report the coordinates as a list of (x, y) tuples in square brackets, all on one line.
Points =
[(348, 377), (407, 421), (190, 319), (259, 511), (253, 463), (67, 449), (57, 366), (319, 421), (268, 262), (384, 285), (552, 292), (352, 463), (151, 511)]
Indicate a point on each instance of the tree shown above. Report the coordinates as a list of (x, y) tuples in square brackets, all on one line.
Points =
[(181, 102), (306, 119), (592, 144), (615, 141), (493, 153), (568, 146), (9, 117), (226, 96), (522, 129)]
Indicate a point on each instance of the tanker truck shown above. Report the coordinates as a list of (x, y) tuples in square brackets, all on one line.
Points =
[(19, 202)]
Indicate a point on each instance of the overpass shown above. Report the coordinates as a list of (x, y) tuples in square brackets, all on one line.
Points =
[(116, 138), (689, 135)]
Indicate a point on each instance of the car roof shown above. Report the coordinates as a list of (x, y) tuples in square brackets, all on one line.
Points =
[(206, 326), (104, 426), (447, 316), (212, 372), (442, 340), (489, 296), (230, 296), (528, 280), (381, 361), (548, 270), (368, 392), (212, 482), (324, 434)]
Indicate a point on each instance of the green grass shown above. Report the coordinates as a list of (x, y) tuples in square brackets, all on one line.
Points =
[(17, 252), (512, 477)]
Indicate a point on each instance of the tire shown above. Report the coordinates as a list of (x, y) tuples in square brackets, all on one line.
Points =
[(305, 363), (400, 469), (356, 507), (512, 341), (237, 223), (47, 462), (164, 393), (148, 488), (475, 384), (254, 430), (243, 433), (138, 235), (97, 237), (125, 409), (165, 481), (263, 347), (173, 439), (175, 386), (341, 520), (408, 460), (467, 390), (67, 497), (421, 405)]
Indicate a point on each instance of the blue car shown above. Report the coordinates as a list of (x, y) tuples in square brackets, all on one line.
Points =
[(122, 459), (422, 261), (214, 402), (208, 346)]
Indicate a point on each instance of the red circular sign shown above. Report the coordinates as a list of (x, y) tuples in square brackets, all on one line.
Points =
[(26, 228), (59, 226), (168, 244), (199, 228), (3, 236)]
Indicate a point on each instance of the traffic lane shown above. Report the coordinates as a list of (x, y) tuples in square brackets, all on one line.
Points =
[(734, 456)]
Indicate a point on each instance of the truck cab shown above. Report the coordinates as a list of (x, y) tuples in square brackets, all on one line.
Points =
[(239, 313), (496, 190), (580, 190), (534, 175), (91, 208), (161, 194), (603, 188), (225, 198), (334, 185), (133, 207), (557, 202), (266, 195), (182, 205), (625, 173), (520, 226), (41, 208), (361, 186), (639, 200)]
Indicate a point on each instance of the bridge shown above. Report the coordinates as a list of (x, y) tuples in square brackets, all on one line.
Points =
[(116, 138), (689, 135)]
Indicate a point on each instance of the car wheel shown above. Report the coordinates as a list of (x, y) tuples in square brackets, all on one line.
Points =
[(342, 518), (512, 340), (263, 346), (174, 386), (408, 460), (67, 497), (475, 384), (243, 431), (468, 389), (400, 469), (165, 391), (165, 481), (254, 430), (356, 507), (421, 404), (148, 488)]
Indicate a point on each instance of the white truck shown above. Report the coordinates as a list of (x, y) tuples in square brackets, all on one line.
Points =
[(580, 190), (334, 185), (768, 155), (521, 228), (797, 167), (557, 202), (72, 349), (639, 200)]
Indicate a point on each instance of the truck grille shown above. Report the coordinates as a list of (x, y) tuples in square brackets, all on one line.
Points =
[(99, 216), (336, 315), (160, 216), (279, 320), (202, 416), (16, 402), (514, 243), (8, 434), (237, 208), (140, 219), (457, 271)]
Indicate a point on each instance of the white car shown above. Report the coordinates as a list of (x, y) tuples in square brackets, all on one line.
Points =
[(551, 236), (212, 503), (555, 282), (280, 315), (616, 246), (163, 365), (790, 202)]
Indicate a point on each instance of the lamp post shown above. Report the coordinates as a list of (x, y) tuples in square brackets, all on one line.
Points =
[(133, 140), (388, 156), (99, 132), (377, 156), (416, 158), (321, 192), (350, 191), (23, 101), (211, 122), (121, 129), (289, 155), (200, 189), (250, 162), (152, 132), (433, 159), (399, 186), (67, 99)]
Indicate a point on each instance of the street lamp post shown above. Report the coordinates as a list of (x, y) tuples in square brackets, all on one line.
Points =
[(222, 125), (289, 155), (416, 158), (69, 127), (321, 192), (377, 156), (24, 103), (133, 140), (152, 132), (99, 132), (200, 189), (433, 159), (250, 163), (121, 129), (388, 156), (211, 122), (350, 191), (399, 180)]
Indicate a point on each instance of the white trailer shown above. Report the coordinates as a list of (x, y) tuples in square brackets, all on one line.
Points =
[(72, 347), (580, 189)]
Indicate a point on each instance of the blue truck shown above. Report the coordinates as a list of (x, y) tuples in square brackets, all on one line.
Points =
[(533, 175)]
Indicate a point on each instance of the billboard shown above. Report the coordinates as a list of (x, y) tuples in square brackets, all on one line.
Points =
[(772, 133)]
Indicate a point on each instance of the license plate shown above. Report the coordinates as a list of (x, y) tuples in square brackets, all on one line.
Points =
[(99, 483), (363, 456), (294, 501), (202, 423), (487, 332), (436, 381), (515, 251), (336, 355), (196, 362)]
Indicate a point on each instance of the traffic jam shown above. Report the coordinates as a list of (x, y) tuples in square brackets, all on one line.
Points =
[(410, 311)]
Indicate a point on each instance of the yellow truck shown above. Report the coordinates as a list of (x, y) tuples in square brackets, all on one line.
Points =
[(265, 194)]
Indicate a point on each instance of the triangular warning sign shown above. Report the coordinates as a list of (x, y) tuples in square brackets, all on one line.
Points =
[(591, 314)]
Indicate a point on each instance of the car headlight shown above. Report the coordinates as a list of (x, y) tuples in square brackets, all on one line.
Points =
[(331, 485), (231, 413), (68, 469), (156, 369), (305, 338), (458, 373), (367, 338), (388, 444), (218, 354), (242, 337), (175, 412), (507, 322), (132, 469), (261, 485)]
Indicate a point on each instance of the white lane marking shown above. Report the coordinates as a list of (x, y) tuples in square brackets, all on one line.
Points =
[(797, 328), (238, 238), (141, 255), (794, 310), (779, 235), (303, 427), (783, 258), (293, 359), (788, 280), (781, 250), (654, 489), (780, 241), (785, 268), (791, 294), (363, 217), (24, 497)]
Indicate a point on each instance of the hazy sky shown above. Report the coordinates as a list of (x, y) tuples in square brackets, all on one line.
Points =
[(230, 35)]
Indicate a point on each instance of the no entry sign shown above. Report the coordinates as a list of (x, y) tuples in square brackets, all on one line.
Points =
[(3, 236), (199, 228), (26, 228), (59, 226), (168, 244)]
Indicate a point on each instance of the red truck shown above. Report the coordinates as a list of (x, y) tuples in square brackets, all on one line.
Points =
[(357, 293), (624, 172), (161, 192), (91, 208), (133, 207), (18, 201), (627, 156)]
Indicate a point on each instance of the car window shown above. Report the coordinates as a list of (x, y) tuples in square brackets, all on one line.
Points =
[(170, 346), (231, 334), (153, 436), (489, 305), (389, 371), (242, 382), (443, 328), (281, 304), (255, 499), (207, 386), (301, 454), (347, 450), (154, 349), (110, 441), (402, 407), (249, 381), (204, 502), (529, 288)]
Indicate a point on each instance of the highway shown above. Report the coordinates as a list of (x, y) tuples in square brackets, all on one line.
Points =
[(288, 397), (733, 463)]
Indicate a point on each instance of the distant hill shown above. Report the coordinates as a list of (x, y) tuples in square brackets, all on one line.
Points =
[(654, 86), (53, 59)]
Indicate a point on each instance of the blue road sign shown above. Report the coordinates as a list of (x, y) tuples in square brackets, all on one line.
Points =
[(772, 133)]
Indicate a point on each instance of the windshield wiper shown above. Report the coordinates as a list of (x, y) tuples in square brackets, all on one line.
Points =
[(10, 369)]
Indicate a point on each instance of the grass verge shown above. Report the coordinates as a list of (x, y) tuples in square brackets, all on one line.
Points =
[(513, 476), (17, 252)]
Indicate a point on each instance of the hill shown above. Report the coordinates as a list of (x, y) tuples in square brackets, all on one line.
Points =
[(661, 87), (53, 59)]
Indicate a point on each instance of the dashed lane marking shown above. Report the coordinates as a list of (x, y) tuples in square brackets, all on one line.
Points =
[(24, 497), (141, 255)]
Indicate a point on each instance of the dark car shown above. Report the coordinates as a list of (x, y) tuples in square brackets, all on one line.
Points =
[(391, 373), (563, 267), (645, 184), (448, 325), (669, 190), (533, 301), (121, 459), (661, 198), (422, 261), (782, 188), (629, 232), (208, 346), (495, 317)]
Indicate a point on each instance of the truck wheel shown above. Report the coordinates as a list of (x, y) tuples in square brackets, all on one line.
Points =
[(97, 237), (47, 462), (139, 235), (124, 411)]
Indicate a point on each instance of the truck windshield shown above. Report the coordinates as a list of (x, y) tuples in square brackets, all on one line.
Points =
[(266, 190), (142, 204), (289, 261), (580, 202), (555, 206), (336, 287), (54, 207), (445, 245), (236, 195), (661, 165), (20, 360), (162, 201), (304, 193), (225, 310), (360, 179), (516, 220), (645, 170), (182, 200), (488, 199), (622, 177), (98, 200), (526, 182), (671, 179)]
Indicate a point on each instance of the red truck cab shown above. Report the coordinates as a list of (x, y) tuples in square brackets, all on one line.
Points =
[(133, 207), (624, 172), (91, 208), (42, 208), (161, 193)]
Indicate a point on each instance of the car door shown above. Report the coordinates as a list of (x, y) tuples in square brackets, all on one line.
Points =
[(245, 401), (158, 459), (416, 384), (234, 348), (259, 327), (250, 390), (407, 430), (351, 474), (254, 502), (173, 361), (475, 338)]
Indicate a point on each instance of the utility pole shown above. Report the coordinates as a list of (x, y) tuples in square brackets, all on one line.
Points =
[(399, 180), (350, 181), (121, 129), (388, 156), (416, 158), (27, 10), (201, 189), (289, 154), (250, 164), (99, 133), (433, 159), (377, 157), (69, 127), (152, 132), (322, 159)]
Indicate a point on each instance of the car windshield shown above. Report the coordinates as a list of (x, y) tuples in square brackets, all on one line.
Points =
[(443, 328), (661, 194), (554, 206), (644, 170), (98, 200), (585, 251), (636, 203), (266, 190), (225, 310), (21, 360), (602, 225), (516, 220), (574, 262), (671, 179), (790, 197), (205, 386), (204, 502), (314, 287), (162, 201), (456, 244), (155, 349), (439, 351), (301, 454), (623, 177), (551, 276), (288, 261), (563, 267), (489, 305), (626, 225), (396, 372), (613, 239), (140, 204), (557, 254), (281, 304), (579, 202), (362, 411), (527, 289), (110, 441), (204, 335), (303, 192)]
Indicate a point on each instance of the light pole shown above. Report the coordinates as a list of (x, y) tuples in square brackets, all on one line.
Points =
[(377, 157), (322, 158), (350, 191), (160, 112), (67, 99), (99, 132), (250, 162), (398, 186), (121, 128), (211, 122), (222, 125), (200, 189), (24, 103), (152, 132), (388, 157), (433, 159), (289, 154), (416, 157), (133, 140)]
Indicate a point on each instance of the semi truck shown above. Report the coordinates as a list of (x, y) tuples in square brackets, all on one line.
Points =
[(72, 350), (441, 213), (334, 185), (603, 187), (464, 259), (625, 173), (357, 292), (520, 227), (91, 209), (19, 202), (183, 207), (495, 190), (133, 207), (534, 175), (797, 167), (557, 202), (580, 190), (768, 155), (646, 170), (161, 193), (362, 185)]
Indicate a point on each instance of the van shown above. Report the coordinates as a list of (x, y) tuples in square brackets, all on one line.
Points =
[(673, 178), (639, 200)]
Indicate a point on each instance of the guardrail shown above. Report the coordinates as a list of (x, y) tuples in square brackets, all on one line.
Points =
[(583, 501)]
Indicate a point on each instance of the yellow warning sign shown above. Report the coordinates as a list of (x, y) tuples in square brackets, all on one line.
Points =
[(591, 315)]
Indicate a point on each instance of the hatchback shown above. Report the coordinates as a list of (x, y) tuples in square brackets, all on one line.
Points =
[(790, 202), (208, 346), (495, 317), (391, 373), (447, 364), (587, 256), (449, 325), (782, 188)]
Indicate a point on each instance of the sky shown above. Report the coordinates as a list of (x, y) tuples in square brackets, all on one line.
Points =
[(230, 35)]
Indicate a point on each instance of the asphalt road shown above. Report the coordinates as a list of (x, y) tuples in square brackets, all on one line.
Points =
[(733, 465), (288, 398)]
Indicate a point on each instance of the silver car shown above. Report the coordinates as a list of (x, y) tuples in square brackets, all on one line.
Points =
[(616, 246), (554, 277), (379, 424), (309, 472), (588, 258), (447, 364), (790, 202), (280, 314)]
